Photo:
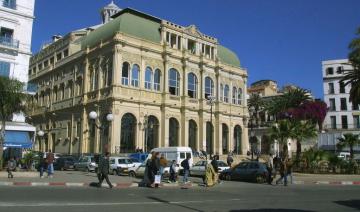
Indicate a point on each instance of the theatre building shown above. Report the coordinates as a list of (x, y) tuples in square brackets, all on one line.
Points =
[(137, 81)]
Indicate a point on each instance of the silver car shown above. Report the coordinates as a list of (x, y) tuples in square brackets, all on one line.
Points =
[(86, 163)]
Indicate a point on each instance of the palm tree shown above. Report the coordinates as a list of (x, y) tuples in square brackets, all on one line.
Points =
[(349, 140), (302, 130), (257, 103), (352, 77), (12, 101), (282, 131)]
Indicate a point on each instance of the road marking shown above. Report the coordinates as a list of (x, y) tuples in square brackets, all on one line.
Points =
[(81, 204)]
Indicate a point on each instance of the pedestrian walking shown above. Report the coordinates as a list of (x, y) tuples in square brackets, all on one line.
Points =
[(147, 180), (163, 164), (50, 163), (104, 169), (229, 160), (215, 166), (270, 167), (186, 166), (11, 166), (289, 166), (172, 178), (42, 164), (283, 173)]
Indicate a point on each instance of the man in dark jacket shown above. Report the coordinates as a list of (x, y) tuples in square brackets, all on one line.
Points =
[(104, 170), (185, 164)]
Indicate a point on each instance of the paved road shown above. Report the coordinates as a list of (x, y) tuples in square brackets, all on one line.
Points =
[(229, 196)]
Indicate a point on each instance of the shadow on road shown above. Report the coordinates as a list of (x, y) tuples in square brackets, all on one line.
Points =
[(167, 202), (354, 203), (269, 209)]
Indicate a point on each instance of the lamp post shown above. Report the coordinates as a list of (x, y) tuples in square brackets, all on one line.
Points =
[(109, 118), (211, 101), (40, 133)]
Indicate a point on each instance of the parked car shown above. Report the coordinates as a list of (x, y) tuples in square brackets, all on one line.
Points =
[(121, 165), (86, 163), (246, 171), (64, 163), (199, 168), (140, 171), (136, 162)]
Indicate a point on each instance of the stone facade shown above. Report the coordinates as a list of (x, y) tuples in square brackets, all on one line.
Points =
[(156, 92)]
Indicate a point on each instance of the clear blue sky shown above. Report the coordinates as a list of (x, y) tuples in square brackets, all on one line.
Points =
[(283, 40)]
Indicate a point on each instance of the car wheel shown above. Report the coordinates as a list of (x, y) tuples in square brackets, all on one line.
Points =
[(228, 177), (260, 179), (132, 174)]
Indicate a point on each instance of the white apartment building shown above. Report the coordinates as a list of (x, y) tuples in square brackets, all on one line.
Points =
[(16, 21), (342, 116)]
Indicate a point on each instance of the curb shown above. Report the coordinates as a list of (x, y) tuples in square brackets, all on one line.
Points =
[(328, 183), (68, 184)]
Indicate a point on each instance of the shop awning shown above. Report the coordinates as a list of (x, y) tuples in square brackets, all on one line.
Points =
[(17, 139)]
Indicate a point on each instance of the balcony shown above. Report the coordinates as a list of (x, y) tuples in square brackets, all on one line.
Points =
[(9, 4), (9, 42)]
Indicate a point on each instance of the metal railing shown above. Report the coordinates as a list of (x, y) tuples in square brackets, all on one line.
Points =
[(9, 4), (342, 126), (9, 42)]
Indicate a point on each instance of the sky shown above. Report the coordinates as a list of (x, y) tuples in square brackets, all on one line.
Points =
[(282, 40)]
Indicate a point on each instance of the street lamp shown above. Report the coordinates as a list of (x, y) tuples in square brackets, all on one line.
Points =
[(40, 133), (109, 118), (211, 101)]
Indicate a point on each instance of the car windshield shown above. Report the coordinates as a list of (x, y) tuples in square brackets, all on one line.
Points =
[(134, 160)]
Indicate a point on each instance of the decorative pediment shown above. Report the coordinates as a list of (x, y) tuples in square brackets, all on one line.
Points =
[(193, 30)]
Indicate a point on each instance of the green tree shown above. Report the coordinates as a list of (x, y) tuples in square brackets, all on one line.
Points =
[(302, 130), (12, 99), (349, 140), (352, 77), (257, 103), (282, 131)]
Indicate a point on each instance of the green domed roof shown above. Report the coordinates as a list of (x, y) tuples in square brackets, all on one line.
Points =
[(227, 56), (129, 22)]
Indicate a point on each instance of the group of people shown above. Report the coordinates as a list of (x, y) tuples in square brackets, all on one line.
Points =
[(46, 163), (284, 165), (154, 170)]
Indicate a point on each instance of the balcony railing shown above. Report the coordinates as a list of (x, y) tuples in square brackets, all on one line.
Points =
[(9, 42), (9, 4)]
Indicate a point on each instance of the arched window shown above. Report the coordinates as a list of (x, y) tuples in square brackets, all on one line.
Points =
[(239, 96), (221, 92), (226, 93), (225, 138), (209, 87), (174, 82), (148, 78), (234, 95), (173, 132), (135, 75), (157, 78), (128, 133), (125, 73), (192, 85), (192, 134)]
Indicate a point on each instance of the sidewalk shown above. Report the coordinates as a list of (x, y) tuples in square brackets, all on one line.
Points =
[(301, 178)]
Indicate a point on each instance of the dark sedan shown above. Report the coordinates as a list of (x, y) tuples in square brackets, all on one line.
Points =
[(64, 163), (246, 171)]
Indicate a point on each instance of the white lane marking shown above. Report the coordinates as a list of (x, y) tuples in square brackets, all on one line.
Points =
[(64, 204)]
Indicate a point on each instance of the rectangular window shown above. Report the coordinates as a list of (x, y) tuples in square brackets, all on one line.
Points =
[(333, 122), (6, 38), (9, 4), (40, 66), (332, 104), (342, 87), (52, 60), (355, 106), (356, 122), (78, 129), (46, 63), (330, 71), (344, 122), (192, 46), (59, 56), (343, 104), (69, 130), (66, 52), (331, 88), (4, 69)]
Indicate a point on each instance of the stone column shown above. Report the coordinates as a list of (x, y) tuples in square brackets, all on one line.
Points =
[(244, 139), (115, 130), (166, 132), (117, 65), (84, 139)]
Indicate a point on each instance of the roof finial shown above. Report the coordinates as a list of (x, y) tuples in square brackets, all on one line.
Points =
[(108, 11)]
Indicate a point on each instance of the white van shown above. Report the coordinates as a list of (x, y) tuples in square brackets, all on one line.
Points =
[(175, 153), (344, 155)]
